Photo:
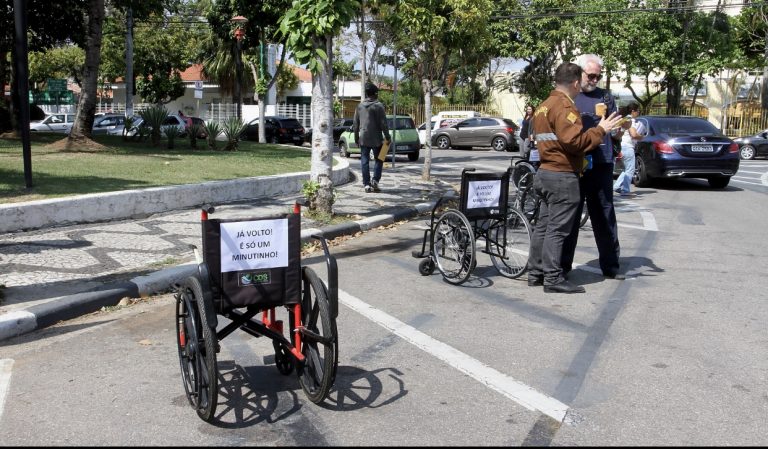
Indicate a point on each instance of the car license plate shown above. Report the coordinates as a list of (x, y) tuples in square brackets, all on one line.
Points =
[(402, 147), (701, 148)]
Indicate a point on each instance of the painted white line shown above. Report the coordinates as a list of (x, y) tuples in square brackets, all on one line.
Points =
[(734, 179), (502, 383), (751, 172), (5, 381)]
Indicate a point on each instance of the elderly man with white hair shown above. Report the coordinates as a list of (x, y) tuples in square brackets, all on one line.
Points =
[(597, 182)]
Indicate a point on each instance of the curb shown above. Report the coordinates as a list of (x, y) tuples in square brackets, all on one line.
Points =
[(37, 317)]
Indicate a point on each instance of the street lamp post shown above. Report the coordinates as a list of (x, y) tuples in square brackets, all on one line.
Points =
[(239, 22)]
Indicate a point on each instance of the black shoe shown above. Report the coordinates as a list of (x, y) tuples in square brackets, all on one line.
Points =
[(535, 281), (617, 276), (564, 287), (375, 185)]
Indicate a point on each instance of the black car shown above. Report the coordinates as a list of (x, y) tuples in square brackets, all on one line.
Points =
[(278, 129), (684, 147), (339, 126), (751, 147)]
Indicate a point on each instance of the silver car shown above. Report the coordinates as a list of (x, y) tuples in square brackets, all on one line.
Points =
[(54, 123), (112, 125), (497, 133)]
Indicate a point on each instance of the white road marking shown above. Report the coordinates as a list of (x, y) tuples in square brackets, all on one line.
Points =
[(735, 179), (5, 381), (502, 383)]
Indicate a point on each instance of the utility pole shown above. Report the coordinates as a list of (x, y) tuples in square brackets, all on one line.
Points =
[(22, 85), (129, 62)]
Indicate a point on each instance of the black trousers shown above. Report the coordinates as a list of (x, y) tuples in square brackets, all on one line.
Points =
[(597, 187)]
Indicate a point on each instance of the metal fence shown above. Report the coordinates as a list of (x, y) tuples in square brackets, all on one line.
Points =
[(745, 120)]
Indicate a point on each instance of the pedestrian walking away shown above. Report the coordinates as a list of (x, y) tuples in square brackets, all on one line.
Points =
[(633, 130), (562, 143), (370, 128), (597, 182)]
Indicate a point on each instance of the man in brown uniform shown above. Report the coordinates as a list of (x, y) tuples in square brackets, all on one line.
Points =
[(562, 146)]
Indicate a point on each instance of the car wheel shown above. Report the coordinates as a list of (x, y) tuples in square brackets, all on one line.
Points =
[(343, 149), (641, 173), (443, 142), (413, 157), (499, 144), (719, 182), (747, 152)]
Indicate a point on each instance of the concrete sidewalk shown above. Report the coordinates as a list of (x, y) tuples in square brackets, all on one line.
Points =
[(58, 273)]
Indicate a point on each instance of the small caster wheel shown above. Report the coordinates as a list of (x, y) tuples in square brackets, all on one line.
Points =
[(283, 360), (426, 267)]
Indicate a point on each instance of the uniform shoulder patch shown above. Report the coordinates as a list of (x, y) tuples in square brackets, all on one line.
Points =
[(542, 110), (572, 117)]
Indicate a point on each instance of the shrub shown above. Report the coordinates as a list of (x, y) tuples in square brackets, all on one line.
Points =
[(171, 132), (212, 129), (154, 118), (233, 128), (192, 132)]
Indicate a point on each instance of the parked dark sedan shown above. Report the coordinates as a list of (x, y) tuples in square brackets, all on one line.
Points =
[(278, 129), (684, 147), (751, 147), (339, 126)]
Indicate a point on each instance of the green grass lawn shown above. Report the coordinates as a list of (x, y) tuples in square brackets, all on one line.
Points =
[(134, 165)]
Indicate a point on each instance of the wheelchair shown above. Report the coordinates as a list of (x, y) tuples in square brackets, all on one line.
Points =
[(251, 267), (484, 213)]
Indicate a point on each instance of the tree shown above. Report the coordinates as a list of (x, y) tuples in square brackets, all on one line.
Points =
[(429, 32), (86, 107), (309, 27), (262, 25), (42, 32), (751, 31)]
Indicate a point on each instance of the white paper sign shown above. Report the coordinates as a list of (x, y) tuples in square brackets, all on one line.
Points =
[(198, 93), (250, 245), (483, 194)]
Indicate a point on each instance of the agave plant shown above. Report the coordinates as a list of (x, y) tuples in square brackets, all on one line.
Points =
[(128, 126), (233, 128), (154, 118), (171, 133), (212, 129), (193, 131)]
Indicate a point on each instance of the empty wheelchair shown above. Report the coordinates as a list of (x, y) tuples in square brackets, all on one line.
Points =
[(484, 214), (248, 268)]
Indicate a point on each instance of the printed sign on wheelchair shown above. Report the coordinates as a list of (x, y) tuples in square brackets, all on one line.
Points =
[(484, 195), (259, 260)]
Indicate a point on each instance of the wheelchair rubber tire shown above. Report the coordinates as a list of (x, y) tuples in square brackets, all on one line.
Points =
[(320, 343), (453, 246), (509, 245), (426, 267), (208, 381)]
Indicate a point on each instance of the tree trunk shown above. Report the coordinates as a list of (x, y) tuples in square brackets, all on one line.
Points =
[(86, 107), (426, 87), (764, 89), (322, 130)]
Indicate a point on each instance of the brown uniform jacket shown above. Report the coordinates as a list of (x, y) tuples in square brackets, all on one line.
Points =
[(559, 137)]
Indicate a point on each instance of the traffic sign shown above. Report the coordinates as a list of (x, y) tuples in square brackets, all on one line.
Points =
[(56, 85), (199, 85)]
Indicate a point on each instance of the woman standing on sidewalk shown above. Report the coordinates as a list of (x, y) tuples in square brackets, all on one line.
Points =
[(633, 131)]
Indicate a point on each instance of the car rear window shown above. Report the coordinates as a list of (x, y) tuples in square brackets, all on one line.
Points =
[(290, 123), (684, 126), (401, 123)]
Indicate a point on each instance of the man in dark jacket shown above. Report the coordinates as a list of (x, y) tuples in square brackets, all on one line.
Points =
[(597, 182), (370, 128)]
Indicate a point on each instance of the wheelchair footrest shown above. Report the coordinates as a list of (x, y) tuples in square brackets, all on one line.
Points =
[(419, 254)]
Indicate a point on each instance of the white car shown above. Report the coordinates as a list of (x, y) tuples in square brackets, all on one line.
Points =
[(53, 123)]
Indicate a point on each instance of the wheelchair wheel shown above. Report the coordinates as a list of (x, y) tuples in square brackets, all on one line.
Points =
[(453, 246), (521, 169), (528, 202), (319, 339), (197, 349), (508, 245), (426, 267)]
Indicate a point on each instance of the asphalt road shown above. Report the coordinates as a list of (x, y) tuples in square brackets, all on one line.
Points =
[(674, 355)]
